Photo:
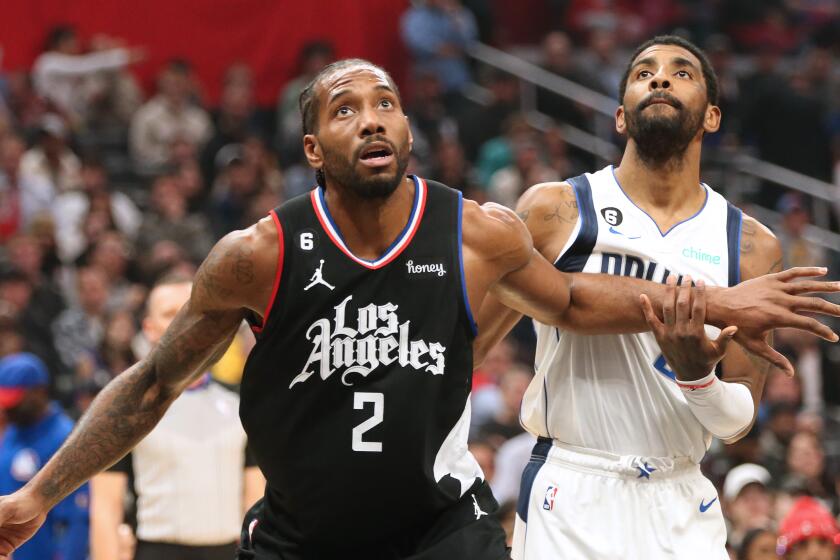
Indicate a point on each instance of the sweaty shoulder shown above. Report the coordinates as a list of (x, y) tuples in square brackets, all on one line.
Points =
[(761, 252), (494, 232), (239, 271), (550, 211)]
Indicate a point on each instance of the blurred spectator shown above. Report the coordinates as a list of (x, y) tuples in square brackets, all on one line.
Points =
[(111, 254), (559, 57), (51, 160), (29, 317), (453, 169), (169, 220), (779, 429), (480, 124), (168, 117), (758, 544), (60, 71), (37, 428), (486, 396), (602, 53), (485, 454), (79, 330), (806, 464), (528, 169), (26, 107), (237, 185), (22, 198), (747, 501), (808, 532), (112, 96), (505, 423), (796, 250), (427, 111), (497, 153), (436, 33), (511, 459), (312, 57), (72, 209), (235, 119), (202, 446)]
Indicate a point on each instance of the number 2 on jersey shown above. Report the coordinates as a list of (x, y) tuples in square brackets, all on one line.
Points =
[(359, 400)]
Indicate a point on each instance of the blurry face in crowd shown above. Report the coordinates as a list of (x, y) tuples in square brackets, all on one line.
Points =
[(486, 457), (30, 409), (164, 303), (94, 179), (11, 150), (93, 290), (363, 140), (752, 508), (557, 50), (513, 385), (167, 199), (26, 253), (812, 549), (665, 105), (763, 547), (781, 388), (110, 255), (120, 330), (175, 85), (805, 455), (16, 293)]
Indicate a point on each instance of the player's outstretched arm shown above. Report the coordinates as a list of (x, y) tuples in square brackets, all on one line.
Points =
[(606, 304), (130, 405)]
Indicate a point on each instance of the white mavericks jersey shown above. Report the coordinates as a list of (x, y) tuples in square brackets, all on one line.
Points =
[(616, 393)]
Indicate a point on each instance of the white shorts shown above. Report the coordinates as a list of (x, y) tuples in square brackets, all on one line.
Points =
[(580, 504)]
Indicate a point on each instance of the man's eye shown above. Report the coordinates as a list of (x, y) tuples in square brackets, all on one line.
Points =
[(683, 74), (343, 111), (386, 103), (644, 73)]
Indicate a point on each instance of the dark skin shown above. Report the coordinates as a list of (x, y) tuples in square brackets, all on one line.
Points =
[(356, 106)]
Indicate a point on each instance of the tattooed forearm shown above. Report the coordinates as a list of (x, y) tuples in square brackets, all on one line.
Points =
[(130, 406), (775, 267), (121, 415)]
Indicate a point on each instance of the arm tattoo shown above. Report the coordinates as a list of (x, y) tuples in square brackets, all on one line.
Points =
[(566, 212), (133, 403), (748, 231), (775, 267)]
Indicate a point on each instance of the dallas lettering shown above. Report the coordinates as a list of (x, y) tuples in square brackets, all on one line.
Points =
[(378, 339)]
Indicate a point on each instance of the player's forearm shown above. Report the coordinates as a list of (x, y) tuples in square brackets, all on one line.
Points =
[(120, 416), (607, 304)]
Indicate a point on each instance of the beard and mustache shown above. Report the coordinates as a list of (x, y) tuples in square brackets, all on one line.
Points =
[(662, 138), (379, 185)]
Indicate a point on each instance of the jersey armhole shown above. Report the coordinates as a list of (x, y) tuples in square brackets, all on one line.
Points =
[(734, 221), (464, 295), (582, 240), (277, 274)]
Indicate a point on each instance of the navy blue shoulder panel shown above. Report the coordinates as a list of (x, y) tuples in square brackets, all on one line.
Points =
[(734, 217), (575, 258)]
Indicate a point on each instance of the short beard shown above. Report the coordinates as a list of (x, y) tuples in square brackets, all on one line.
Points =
[(343, 171), (661, 140)]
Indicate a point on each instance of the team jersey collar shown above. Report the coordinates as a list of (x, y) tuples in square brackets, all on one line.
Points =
[(402, 241)]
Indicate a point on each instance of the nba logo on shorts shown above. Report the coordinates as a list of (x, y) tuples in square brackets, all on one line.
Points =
[(548, 502)]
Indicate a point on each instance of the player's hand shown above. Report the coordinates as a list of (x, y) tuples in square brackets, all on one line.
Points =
[(773, 301), (681, 334), (20, 517)]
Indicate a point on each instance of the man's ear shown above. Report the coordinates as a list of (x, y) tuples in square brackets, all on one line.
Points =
[(312, 151), (620, 123), (711, 122)]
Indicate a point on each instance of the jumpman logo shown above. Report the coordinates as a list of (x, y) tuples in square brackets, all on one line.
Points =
[(476, 509), (318, 278)]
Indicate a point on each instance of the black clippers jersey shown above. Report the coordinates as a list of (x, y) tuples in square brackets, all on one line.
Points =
[(355, 398)]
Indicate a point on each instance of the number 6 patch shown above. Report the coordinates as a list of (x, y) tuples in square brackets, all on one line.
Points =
[(612, 215), (307, 240)]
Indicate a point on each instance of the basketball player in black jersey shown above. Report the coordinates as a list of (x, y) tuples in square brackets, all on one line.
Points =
[(355, 397)]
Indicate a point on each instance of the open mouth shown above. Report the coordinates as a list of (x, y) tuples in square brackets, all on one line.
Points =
[(377, 154)]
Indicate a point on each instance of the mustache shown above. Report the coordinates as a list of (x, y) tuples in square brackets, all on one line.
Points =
[(656, 96), (357, 154)]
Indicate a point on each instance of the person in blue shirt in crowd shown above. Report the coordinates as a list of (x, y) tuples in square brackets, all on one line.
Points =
[(36, 428)]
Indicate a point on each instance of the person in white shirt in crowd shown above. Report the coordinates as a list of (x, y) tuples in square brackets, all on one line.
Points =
[(60, 72), (22, 198), (192, 475), (50, 159), (747, 502), (168, 117)]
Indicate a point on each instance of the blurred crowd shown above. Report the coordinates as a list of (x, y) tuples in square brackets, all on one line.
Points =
[(106, 187)]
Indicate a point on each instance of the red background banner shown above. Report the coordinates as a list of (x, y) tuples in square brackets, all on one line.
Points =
[(212, 34)]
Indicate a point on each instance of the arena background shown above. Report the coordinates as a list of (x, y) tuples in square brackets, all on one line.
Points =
[(501, 95)]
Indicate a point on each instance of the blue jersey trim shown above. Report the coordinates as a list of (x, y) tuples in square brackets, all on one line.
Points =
[(466, 297), (575, 258), (705, 202), (538, 458), (414, 206), (734, 219)]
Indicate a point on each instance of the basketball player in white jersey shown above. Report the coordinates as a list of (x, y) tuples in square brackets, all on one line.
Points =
[(623, 420)]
